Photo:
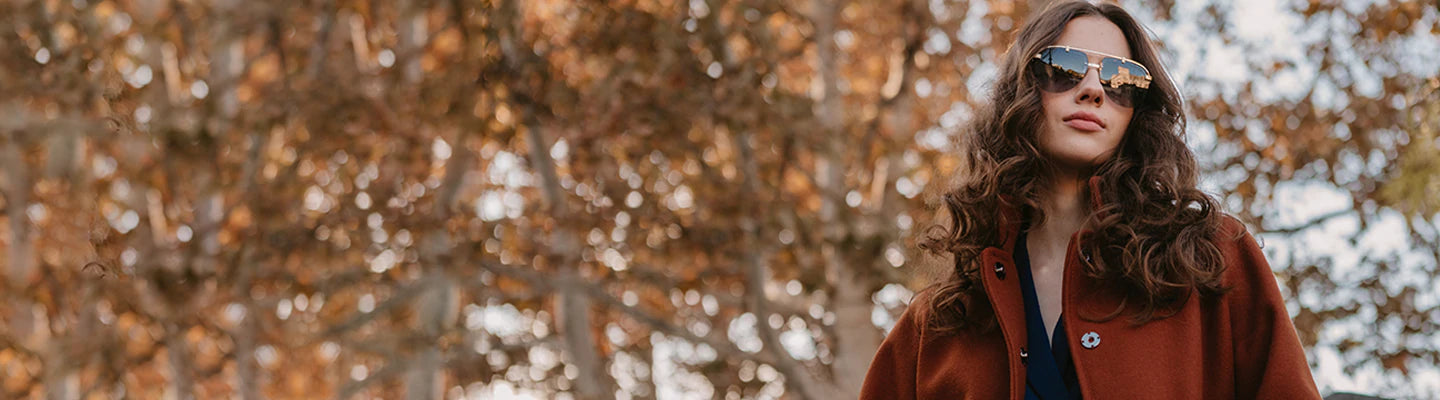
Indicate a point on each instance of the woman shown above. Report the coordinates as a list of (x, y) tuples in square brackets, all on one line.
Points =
[(1088, 265)]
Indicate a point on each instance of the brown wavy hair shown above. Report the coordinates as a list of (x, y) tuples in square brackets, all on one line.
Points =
[(1154, 233)]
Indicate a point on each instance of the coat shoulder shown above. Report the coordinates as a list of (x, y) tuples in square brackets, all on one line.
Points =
[(1269, 358), (918, 311), (1231, 230), (1243, 258)]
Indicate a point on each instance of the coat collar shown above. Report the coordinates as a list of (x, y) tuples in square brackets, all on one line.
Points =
[(1001, 282)]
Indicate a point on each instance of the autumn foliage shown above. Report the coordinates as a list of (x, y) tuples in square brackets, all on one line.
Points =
[(638, 198)]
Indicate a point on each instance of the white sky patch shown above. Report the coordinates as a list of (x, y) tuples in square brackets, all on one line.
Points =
[(934, 139), (500, 389), (742, 333), (1419, 53), (674, 382), (503, 320), (1318, 198), (1367, 83), (1367, 378), (1183, 55), (1262, 20), (892, 296), (499, 204), (973, 30), (613, 259), (1329, 239), (1268, 25), (490, 207), (1327, 96), (958, 114), (799, 342), (982, 80), (1426, 381), (1225, 63), (1386, 234), (1328, 365), (440, 149), (506, 169), (628, 371)]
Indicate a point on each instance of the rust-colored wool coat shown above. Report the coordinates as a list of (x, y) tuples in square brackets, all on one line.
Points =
[(1239, 345)]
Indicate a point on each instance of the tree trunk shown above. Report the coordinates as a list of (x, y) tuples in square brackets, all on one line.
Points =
[(573, 313), (180, 384), (435, 311), (413, 33), (17, 198), (856, 338)]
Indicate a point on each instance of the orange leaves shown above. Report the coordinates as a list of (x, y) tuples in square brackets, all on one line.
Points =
[(640, 86), (1383, 21), (447, 43), (1399, 361)]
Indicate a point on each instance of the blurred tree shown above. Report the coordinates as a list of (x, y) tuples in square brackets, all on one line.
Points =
[(1327, 145), (640, 198)]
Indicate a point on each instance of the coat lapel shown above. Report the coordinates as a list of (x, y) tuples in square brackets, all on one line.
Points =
[(1002, 285)]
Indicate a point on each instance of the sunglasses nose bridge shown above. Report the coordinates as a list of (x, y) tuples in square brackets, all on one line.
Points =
[(1092, 71), (1090, 88)]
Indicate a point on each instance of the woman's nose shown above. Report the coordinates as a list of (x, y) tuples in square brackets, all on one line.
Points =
[(1090, 89)]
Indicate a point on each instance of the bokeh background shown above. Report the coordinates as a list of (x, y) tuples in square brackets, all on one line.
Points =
[(633, 199)]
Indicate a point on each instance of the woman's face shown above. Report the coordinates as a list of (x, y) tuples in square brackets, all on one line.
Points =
[(1082, 127)]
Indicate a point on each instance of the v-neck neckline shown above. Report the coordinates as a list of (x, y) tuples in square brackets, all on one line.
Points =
[(1048, 351)]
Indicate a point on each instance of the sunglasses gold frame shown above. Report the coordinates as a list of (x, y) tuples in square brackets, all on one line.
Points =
[(1123, 76)]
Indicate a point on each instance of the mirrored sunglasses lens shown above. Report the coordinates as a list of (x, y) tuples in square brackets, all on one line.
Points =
[(1115, 72), (1071, 61), (1124, 81), (1051, 78), (1124, 96), (1057, 71)]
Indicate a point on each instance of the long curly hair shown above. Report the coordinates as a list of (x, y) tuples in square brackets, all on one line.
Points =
[(1154, 233)]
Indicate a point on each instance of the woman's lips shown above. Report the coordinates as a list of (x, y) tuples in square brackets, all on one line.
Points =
[(1084, 125)]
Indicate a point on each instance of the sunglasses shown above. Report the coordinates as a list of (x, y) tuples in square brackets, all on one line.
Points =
[(1061, 68)]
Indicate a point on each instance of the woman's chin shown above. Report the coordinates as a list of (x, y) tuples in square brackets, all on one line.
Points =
[(1075, 160)]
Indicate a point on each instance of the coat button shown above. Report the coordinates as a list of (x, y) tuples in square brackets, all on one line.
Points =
[(999, 270), (1024, 356), (1090, 340)]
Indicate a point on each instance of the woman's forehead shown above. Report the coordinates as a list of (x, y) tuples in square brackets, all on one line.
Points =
[(1094, 33)]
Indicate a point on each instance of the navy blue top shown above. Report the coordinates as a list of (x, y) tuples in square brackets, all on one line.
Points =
[(1050, 372)]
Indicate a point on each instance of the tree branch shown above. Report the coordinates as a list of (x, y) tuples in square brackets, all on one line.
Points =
[(1311, 223)]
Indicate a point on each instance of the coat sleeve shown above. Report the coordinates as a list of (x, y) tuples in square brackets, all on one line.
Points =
[(1269, 360), (892, 372)]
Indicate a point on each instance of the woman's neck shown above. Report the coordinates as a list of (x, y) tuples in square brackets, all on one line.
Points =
[(1064, 201)]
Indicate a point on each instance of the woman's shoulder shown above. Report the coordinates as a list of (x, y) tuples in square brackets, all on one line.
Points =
[(1246, 268), (1231, 228), (917, 314), (920, 316), (919, 308)]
